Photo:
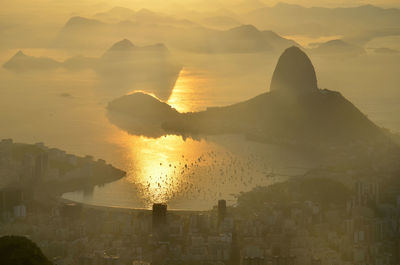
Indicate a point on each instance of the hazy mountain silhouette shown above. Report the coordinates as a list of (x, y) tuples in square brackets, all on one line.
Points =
[(124, 45), (242, 39), (224, 22), (384, 50), (115, 14), (295, 19), (78, 22), (117, 23), (362, 37), (22, 62), (125, 50), (179, 33), (221, 18), (143, 16), (295, 112), (146, 16), (150, 68), (337, 47), (81, 32)]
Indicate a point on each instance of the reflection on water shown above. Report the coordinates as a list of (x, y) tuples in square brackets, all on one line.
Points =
[(187, 174), (189, 90), (191, 174), (194, 174), (153, 163)]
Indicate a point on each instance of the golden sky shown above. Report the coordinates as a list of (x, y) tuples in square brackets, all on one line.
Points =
[(75, 5)]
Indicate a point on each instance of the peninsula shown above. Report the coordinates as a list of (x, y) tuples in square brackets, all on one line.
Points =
[(295, 112), (43, 174)]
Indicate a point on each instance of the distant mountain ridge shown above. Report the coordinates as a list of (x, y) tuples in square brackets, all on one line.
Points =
[(241, 39), (178, 33), (22, 62), (115, 14), (337, 47), (296, 19), (77, 21), (142, 15), (152, 68), (126, 46)]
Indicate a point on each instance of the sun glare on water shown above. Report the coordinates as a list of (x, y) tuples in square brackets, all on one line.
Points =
[(158, 167), (187, 93)]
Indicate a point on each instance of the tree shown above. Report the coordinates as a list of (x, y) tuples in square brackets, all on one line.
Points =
[(18, 250)]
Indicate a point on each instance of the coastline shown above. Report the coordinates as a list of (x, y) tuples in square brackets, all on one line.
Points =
[(118, 209)]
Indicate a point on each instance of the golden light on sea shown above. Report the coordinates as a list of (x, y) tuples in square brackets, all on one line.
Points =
[(184, 172), (186, 95), (159, 167)]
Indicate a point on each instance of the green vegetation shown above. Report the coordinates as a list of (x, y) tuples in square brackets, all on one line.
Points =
[(17, 250), (19, 150), (320, 190)]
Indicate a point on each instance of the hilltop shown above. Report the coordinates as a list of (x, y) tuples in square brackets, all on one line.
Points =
[(22, 62), (152, 67), (337, 47), (322, 20), (294, 113), (240, 39)]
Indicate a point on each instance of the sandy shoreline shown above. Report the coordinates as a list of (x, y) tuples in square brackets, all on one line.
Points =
[(117, 209)]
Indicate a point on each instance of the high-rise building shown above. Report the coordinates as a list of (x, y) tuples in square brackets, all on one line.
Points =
[(367, 192), (41, 166), (28, 163), (159, 215), (221, 210)]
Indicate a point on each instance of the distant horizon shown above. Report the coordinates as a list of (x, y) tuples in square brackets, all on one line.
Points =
[(79, 6)]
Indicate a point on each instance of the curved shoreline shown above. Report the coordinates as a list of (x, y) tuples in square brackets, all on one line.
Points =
[(119, 209)]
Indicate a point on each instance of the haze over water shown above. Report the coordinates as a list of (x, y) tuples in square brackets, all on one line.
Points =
[(67, 109), (189, 174), (185, 173)]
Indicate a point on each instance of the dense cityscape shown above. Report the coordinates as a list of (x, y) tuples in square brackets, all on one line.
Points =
[(357, 228)]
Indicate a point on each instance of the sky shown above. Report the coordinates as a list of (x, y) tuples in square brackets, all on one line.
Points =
[(340, 3), (71, 5)]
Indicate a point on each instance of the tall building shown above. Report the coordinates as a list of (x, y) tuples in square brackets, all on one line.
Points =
[(159, 215), (6, 146), (367, 192), (160, 235), (28, 163), (41, 166), (221, 210), (235, 249)]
